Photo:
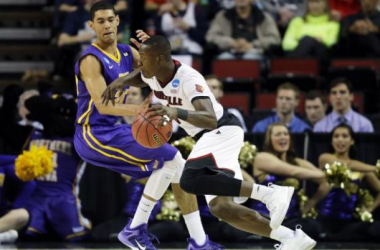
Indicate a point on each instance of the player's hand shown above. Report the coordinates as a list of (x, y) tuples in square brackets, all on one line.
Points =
[(109, 93), (168, 113), (142, 37)]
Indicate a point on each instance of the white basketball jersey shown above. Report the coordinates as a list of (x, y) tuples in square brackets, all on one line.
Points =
[(186, 85)]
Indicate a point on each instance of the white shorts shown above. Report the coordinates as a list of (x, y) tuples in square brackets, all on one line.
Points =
[(224, 145)]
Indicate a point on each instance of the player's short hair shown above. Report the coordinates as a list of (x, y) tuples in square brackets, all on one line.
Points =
[(289, 86), (341, 80), (160, 44), (313, 94), (102, 5)]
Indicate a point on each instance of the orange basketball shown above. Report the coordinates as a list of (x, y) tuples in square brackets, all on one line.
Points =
[(145, 132)]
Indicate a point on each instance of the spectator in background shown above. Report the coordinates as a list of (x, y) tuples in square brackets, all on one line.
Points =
[(23, 111), (360, 33), (69, 6), (313, 34), (243, 32), (284, 10), (135, 96), (185, 26), (315, 107), (216, 87), (286, 103), (341, 97), (340, 9)]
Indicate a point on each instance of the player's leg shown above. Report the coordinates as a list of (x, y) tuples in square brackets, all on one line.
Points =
[(10, 223), (211, 168), (189, 207), (251, 221)]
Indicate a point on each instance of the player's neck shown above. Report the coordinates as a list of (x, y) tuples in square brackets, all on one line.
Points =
[(167, 72), (107, 47)]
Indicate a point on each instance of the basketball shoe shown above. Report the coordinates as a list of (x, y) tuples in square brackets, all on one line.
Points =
[(137, 238), (208, 245), (277, 203), (9, 236), (300, 241)]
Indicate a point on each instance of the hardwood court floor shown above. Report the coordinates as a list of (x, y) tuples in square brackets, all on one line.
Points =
[(181, 245)]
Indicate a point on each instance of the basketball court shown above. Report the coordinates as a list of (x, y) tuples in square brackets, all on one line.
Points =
[(180, 245)]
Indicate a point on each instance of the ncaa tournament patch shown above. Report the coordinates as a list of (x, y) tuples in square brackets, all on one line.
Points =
[(175, 83), (199, 88)]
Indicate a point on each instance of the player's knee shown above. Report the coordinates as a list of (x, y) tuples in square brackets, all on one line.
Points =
[(221, 210), (180, 164)]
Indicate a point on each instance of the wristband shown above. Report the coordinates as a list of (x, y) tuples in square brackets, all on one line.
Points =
[(182, 114)]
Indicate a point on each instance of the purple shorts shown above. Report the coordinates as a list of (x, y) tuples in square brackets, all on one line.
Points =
[(115, 148)]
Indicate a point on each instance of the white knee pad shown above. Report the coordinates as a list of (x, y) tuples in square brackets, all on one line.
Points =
[(160, 179)]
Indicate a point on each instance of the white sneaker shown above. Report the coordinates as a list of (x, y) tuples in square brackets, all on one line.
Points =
[(8, 236), (300, 241), (278, 203)]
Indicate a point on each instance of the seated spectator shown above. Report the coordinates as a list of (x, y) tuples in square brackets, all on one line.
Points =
[(135, 96), (341, 97), (185, 26), (315, 107), (284, 10), (73, 5), (360, 33), (216, 87), (286, 103), (279, 165), (13, 216), (157, 6), (313, 34), (243, 32), (340, 9), (336, 211)]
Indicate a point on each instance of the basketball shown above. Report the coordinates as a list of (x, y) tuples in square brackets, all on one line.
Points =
[(145, 132)]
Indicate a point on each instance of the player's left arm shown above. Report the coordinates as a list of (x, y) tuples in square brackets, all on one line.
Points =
[(202, 117)]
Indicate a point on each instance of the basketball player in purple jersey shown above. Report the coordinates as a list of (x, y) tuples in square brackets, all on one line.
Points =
[(212, 168), (101, 142)]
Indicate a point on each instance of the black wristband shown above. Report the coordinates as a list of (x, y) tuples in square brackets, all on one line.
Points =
[(182, 114)]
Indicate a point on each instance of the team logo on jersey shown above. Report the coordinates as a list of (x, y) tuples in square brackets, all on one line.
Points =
[(174, 91), (175, 83), (126, 54), (199, 88)]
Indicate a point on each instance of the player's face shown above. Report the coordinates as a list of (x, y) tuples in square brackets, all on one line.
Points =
[(134, 96), (105, 25), (315, 110), (280, 139), (342, 140), (148, 62), (286, 101), (215, 87), (341, 98)]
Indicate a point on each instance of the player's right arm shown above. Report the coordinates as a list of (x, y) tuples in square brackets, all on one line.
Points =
[(91, 74)]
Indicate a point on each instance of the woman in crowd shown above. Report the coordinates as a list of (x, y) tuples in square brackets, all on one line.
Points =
[(279, 165)]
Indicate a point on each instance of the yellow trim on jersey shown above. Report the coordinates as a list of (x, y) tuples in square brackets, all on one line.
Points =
[(76, 234), (33, 230), (106, 154), (87, 111), (116, 59)]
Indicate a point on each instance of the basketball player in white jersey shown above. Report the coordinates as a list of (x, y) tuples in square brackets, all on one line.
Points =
[(212, 168)]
